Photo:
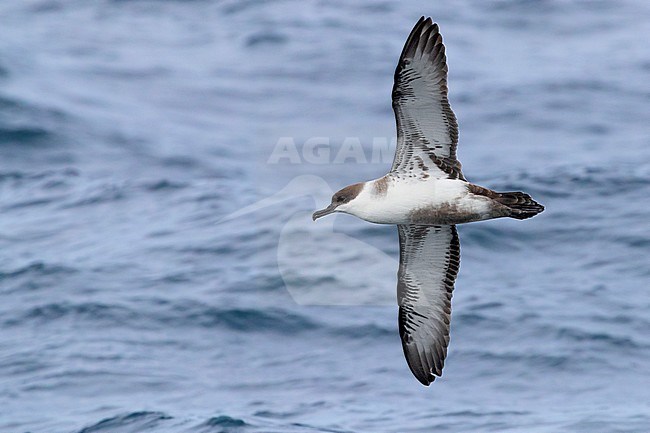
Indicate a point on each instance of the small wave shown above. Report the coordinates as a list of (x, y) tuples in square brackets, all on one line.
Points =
[(35, 269), (265, 39), (37, 189), (29, 203), (604, 180), (180, 161), (241, 319), (572, 181), (364, 331), (224, 421), (541, 360), (473, 318), (93, 312), (101, 194), (23, 123), (163, 185), (23, 363), (27, 189), (33, 277), (577, 85), (23, 135), (234, 7), (129, 423), (162, 313), (597, 337), (474, 414), (376, 7), (128, 72), (47, 6), (489, 236), (24, 176)]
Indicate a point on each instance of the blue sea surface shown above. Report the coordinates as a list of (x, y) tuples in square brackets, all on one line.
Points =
[(159, 270)]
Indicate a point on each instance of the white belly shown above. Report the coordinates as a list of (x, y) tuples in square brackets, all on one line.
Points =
[(431, 201)]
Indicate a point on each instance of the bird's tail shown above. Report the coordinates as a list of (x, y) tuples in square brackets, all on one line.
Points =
[(522, 205)]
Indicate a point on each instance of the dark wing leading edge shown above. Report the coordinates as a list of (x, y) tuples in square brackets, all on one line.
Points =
[(427, 130), (429, 261)]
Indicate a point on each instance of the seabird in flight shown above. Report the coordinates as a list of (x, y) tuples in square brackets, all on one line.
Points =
[(426, 194)]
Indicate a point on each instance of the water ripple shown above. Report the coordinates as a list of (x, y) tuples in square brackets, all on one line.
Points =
[(180, 314), (134, 422)]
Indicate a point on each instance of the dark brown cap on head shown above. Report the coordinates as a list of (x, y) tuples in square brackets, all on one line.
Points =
[(346, 194), (343, 196)]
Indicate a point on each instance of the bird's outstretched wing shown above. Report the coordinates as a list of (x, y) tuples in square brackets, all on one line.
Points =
[(427, 130), (429, 261)]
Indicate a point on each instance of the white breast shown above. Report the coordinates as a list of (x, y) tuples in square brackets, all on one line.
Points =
[(396, 203)]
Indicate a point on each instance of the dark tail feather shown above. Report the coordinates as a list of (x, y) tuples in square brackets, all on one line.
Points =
[(521, 204)]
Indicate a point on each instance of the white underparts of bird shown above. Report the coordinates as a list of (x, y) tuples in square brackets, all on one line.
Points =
[(426, 194)]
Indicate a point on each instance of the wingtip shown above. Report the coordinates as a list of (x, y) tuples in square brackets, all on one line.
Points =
[(428, 21), (424, 25), (420, 367)]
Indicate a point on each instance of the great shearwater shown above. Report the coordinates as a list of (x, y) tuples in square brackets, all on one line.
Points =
[(426, 194)]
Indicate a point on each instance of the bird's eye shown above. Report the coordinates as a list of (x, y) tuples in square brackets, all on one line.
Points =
[(339, 198)]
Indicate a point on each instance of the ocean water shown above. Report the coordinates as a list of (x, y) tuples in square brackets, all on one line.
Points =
[(159, 271)]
